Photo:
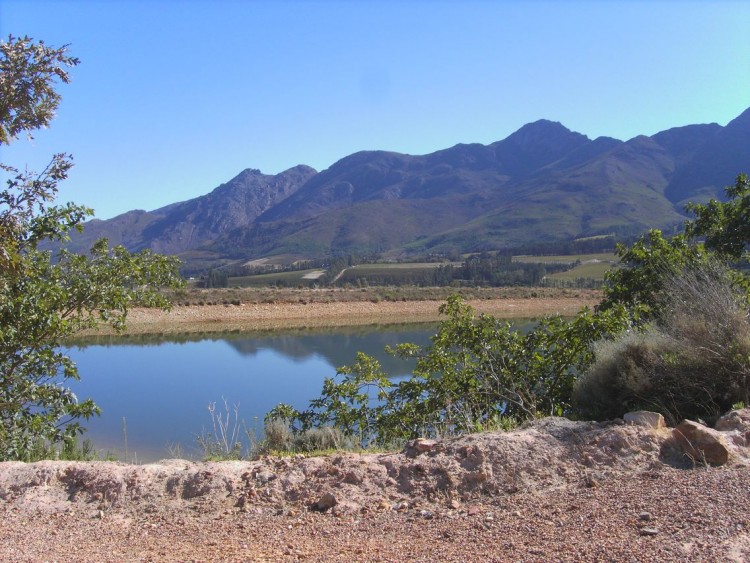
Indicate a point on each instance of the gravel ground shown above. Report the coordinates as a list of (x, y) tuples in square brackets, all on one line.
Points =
[(556, 491)]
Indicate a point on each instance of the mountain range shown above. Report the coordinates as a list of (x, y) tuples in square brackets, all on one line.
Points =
[(542, 183)]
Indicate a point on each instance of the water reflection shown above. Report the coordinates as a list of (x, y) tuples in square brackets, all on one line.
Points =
[(154, 392)]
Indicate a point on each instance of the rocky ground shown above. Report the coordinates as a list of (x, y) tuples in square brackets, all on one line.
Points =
[(554, 490)]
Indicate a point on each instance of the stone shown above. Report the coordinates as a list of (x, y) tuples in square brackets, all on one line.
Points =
[(265, 476), (644, 517), (734, 420), (324, 503), (645, 418), (702, 444), (648, 531)]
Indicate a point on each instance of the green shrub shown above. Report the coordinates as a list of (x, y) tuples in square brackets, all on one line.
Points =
[(477, 373)]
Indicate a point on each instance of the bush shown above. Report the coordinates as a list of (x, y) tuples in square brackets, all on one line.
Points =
[(477, 373), (692, 362), (278, 437)]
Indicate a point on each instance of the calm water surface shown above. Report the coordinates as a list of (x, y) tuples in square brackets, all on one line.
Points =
[(159, 390)]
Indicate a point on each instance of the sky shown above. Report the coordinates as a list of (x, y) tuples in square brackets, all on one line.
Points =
[(173, 98)]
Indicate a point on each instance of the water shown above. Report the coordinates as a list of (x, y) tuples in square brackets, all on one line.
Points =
[(154, 394)]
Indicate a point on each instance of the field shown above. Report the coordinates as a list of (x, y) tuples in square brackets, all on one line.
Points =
[(607, 257), (588, 266), (300, 277), (393, 271)]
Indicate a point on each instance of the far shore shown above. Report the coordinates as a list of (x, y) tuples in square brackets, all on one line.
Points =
[(311, 313)]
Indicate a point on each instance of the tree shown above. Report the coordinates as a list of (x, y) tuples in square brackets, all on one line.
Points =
[(477, 372), (724, 225), (46, 296), (651, 260)]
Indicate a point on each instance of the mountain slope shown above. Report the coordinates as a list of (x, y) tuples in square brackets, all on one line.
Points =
[(191, 224), (542, 183)]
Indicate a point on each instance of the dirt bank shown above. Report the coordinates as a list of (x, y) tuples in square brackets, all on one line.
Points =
[(246, 316), (552, 491)]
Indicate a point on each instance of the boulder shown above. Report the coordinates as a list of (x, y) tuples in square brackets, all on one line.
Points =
[(734, 420), (325, 503), (419, 446), (702, 444), (645, 418)]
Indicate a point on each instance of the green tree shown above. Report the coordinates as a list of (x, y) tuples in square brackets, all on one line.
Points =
[(652, 259), (724, 225), (46, 296), (477, 371)]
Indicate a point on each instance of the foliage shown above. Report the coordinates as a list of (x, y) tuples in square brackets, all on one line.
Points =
[(28, 72), (647, 264), (725, 225), (694, 362), (216, 278), (45, 296), (69, 450), (279, 439), (476, 371)]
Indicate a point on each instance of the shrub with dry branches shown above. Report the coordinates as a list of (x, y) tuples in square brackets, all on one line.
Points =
[(692, 362)]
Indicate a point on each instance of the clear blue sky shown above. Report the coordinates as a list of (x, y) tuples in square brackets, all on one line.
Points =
[(173, 98)]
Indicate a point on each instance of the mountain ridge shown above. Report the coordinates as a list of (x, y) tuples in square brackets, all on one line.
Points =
[(543, 182)]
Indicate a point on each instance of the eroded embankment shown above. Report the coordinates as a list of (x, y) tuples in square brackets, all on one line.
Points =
[(554, 490)]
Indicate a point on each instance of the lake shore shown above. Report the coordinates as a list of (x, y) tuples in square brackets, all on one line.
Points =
[(309, 310)]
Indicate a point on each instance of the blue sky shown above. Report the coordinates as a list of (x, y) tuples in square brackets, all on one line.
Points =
[(173, 98)]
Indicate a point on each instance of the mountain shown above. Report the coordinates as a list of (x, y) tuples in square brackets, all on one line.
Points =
[(188, 225), (542, 183)]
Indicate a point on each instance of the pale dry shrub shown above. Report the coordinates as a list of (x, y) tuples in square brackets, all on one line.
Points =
[(693, 362), (278, 437)]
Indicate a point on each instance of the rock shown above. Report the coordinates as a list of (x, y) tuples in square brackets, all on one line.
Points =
[(648, 531), (734, 420), (702, 444), (384, 505), (419, 446), (324, 503), (644, 517), (346, 508), (645, 418), (265, 476)]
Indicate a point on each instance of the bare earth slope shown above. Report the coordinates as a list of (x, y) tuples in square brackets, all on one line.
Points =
[(309, 313), (552, 491)]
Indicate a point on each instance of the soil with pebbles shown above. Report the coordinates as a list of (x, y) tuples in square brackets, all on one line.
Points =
[(554, 490)]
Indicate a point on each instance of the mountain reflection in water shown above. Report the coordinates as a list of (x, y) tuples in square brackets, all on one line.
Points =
[(154, 392)]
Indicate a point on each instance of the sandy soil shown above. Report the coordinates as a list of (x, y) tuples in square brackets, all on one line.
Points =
[(552, 491), (261, 316)]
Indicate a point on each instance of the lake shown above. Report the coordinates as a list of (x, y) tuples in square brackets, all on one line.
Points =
[(154, 393)]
